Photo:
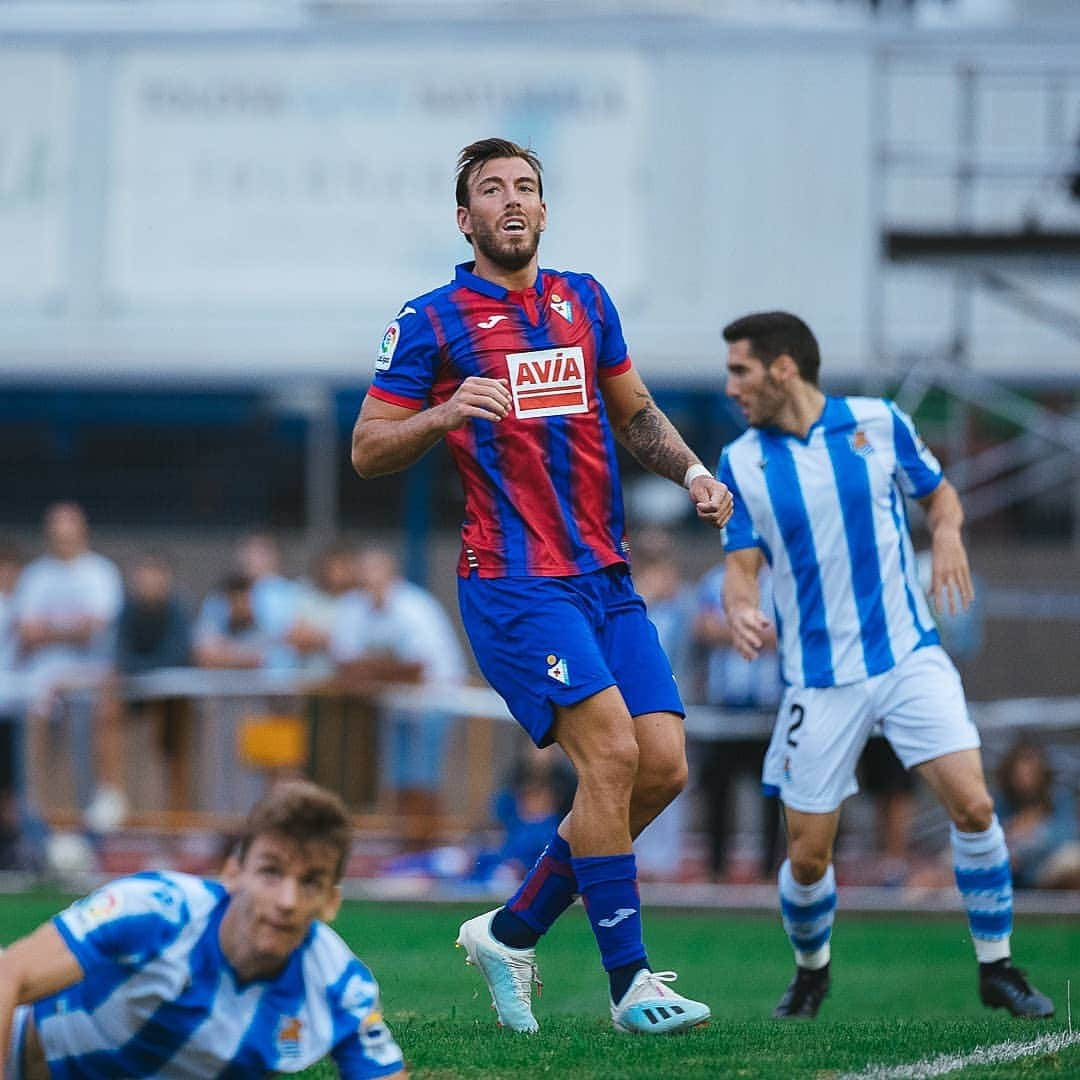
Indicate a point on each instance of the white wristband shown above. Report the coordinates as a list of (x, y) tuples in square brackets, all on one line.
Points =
[(695, 470)]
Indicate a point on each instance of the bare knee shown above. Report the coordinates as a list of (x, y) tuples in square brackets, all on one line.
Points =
[(659, 782), (809, 861), (614, 768), (974, 813)]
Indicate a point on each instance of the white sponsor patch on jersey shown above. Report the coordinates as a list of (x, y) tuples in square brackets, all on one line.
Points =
[(387, 346), (548, 382)]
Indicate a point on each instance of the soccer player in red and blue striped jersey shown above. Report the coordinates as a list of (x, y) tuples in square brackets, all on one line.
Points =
[(525, 373)]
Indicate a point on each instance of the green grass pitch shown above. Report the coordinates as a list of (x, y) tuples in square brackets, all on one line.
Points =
[(904, 991)]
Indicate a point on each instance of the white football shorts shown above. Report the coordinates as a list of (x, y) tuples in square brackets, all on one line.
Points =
[(820, 732)]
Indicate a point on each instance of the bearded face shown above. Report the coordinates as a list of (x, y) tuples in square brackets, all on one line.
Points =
[(505, 215)]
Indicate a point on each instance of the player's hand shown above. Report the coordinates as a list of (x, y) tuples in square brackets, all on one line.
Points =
[(477, 399), (951, 588), (712, 500), (750, 629)]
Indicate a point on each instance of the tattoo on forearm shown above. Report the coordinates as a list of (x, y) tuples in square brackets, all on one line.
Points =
[(651, 437)]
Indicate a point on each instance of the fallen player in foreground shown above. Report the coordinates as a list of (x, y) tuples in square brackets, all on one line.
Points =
[(168, 974)]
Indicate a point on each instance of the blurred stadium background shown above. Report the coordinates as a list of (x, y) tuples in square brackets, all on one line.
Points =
[(209, 211)]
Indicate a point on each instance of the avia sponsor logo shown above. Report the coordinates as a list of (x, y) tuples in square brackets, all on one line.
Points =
[(562, 307), (494, 320), (548, 382), (557, 669)]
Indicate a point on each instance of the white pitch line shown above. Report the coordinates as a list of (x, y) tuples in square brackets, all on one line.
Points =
[(981, 1055)]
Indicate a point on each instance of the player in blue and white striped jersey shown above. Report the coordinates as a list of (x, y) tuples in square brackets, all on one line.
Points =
[(165, 974), (820, 486)]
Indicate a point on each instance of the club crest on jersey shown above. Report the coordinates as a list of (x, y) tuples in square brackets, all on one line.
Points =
[(860, 443), (563, 307), (548, 382), (287, 1039), (387, 346), (557, 669)]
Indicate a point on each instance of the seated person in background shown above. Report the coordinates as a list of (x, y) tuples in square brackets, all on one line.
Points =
[(883, 777), (11, 562), (163, 973), (64, 615), (231, 638), (153, 632), (317, 607), (732, 682), (535, 796), (1038, 815), (658, 579), (392, 630), (272, 602)]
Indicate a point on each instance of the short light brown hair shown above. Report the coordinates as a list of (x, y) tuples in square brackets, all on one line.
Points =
[(302, 812), (476, 154)]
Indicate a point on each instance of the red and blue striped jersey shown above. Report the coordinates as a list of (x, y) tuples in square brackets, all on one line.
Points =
[(542, 492)]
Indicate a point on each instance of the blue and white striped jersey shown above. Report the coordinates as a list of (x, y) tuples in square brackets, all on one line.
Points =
[(160, 999), (829, 514)]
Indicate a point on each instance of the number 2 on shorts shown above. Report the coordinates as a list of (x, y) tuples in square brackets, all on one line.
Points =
[(799, 713)]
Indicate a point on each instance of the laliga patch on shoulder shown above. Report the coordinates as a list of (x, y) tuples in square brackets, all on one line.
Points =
[(548, 382), (387, 347)]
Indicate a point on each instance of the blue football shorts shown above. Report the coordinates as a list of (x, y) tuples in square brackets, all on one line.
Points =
[(548, 641)]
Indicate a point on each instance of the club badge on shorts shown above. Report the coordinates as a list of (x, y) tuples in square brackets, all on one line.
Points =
[(557, 669)]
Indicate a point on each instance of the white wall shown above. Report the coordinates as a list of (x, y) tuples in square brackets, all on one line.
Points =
[(246, 206)]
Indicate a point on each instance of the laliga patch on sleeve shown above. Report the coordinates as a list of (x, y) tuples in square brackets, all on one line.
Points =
[(387, 346), (97, 908)]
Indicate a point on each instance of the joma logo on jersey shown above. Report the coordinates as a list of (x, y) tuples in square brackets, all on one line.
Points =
[(548, 382)]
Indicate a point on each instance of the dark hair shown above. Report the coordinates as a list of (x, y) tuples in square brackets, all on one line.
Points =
[(235, 582), (1010, 792), (478, 153), (776, 333), (303, 812)]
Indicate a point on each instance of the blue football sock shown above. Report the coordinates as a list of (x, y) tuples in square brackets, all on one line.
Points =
[(608, 885), (548, 890), (808, 912), (981, 865)]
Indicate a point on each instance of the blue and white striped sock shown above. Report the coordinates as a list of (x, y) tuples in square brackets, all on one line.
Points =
[(981, 864), (808, 912)]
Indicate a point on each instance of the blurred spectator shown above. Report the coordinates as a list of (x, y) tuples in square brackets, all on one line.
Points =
[(153, 632), (659, 581), (11, 562), (892, 787), (272, 600), (227, 635), (1038, 814), (394, 631), (317, 607), (528, 806), (65, 609), (734, 683), (66, 601)]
